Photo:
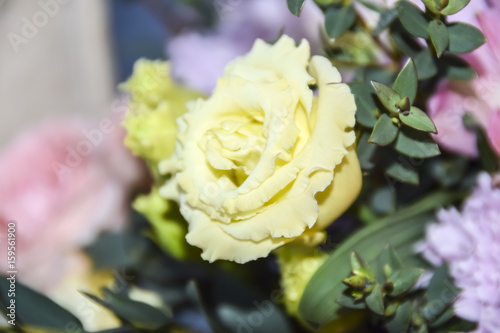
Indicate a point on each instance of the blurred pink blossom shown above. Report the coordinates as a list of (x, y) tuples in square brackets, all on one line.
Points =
[(469, 242), (199, 59), (480, 97), (62, 183)]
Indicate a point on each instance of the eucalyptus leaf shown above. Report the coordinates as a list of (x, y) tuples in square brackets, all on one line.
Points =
[(412, 19), (366, 152), (464, 38), (295, 6), (231, 305), (456, 68), (400, 321), (386, 18), (36, 310), (383, 200), (433, 5), (454, 6), (318, 304), (407, 81), (365, 103), (137, 313), (404, 279), (388, 96), (439, 36), (488, 157), (375, 301), (354, 47), (441, 292), (347, 301), (339, 19), (418, 120), (416, 144), (426, 64), (388, 258), (443, 317), (403, 172), (384, 131)]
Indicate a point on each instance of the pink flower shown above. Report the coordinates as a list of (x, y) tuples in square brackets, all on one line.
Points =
[(480, 97), (469, 242), (198, 60), (62, 183)]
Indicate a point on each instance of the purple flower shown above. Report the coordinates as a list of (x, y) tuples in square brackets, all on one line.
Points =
[(469, 242), (199, 59)]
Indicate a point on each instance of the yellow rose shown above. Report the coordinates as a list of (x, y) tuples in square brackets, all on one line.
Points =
[(252, 161)]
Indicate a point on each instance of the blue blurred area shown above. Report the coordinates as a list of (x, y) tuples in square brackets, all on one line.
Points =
[(136, 32)]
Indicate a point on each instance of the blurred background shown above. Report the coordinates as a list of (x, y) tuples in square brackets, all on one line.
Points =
[(66, 57)]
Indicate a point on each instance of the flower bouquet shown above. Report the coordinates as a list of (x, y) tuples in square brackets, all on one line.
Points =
[(300, 166)]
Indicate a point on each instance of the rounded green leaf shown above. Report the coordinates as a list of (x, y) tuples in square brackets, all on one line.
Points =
[(365, 104), (433, 5), (403, 172), (388, 96), (339, 19), (412, 19), (384, 131), (454, 6), (295, 6), (33, 309), (426, 64), (464, 38), (456, 68), (418, 120), (416, 144), (407, 81), (439, 36), (404, 279), (375, 301)]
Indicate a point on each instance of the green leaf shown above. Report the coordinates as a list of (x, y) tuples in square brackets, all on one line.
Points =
[(348, 301), (403, 172), (407, 81), (439, 36), (433, 5), (389, 257), (375, 301), (416, 144), (354, 47), (488, 157), (383, 200), (456, 68), (404, 279), (388, 96), (36, 310), (366, 152), (295, 6), (443, 317), (365, 104), (360, 268), (454, 6), (441, 292), (400, 321), (464, 38), (418, 119), (384, 131), (339, 19), (412, 19), (426, 64), (318, 303), (226, 300), (386, 18), (137, 313)]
